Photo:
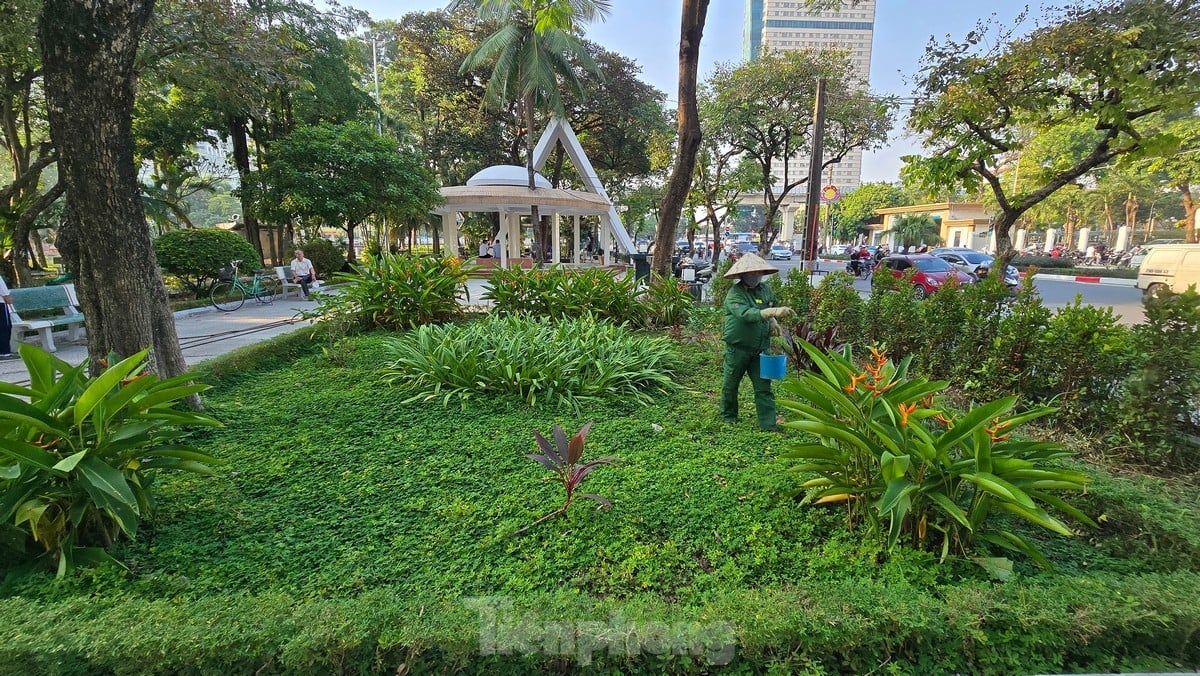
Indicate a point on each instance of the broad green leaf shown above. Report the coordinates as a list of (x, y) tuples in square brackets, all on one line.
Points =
[(980, 415), (103, 385), (1038, 516), (942, 500), (10, 472), (1062, 506), (897, 490), (1000, 568), (28, 454), (106, 479), (68, 463), (999, 487)]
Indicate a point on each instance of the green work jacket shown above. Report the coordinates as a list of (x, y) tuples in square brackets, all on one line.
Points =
[(745, 327)]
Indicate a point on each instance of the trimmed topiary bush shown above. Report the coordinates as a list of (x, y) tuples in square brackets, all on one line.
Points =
[(326, 256), (196, 256)]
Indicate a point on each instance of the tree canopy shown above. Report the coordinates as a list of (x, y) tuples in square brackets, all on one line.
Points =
[(338, 176), (1102, 73), (858, 206), (764, 109)]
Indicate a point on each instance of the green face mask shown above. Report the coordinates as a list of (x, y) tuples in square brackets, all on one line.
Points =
[(751, 280)]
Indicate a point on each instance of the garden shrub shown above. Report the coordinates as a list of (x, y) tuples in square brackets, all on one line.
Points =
[(79, 453), (559, 293), (1081, 357), (1008, 365), (197, 255), (913, 471), (985, 305), (894, 321), (1159, 408), (400, 291), (942, 318), (326, 256), (721, 284), (1043, 262), (572, 362), (667, 301), (836, 304), (795, 291)]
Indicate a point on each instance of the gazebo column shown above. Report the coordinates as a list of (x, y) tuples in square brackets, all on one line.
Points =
[(450, 233), (556, 247), (505, 232), (514, 235), (575, 242)]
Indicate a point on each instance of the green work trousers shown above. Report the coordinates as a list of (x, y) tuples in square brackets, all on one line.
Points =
[(738, 363)]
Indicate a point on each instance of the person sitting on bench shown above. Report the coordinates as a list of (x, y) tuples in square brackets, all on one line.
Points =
[(303, 272)]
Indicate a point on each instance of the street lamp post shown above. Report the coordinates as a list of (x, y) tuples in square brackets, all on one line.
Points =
[(375, 71)]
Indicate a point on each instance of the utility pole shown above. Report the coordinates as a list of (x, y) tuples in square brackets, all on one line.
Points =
[(812, 211)]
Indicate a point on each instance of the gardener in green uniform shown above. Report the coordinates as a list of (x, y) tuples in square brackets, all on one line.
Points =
[(750, 321)]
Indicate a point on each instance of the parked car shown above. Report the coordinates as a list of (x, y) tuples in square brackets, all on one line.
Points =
[(932, 272), (779, 252), (975, 263), (741, 248)]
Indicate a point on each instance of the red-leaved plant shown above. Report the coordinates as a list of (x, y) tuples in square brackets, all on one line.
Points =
[(563, 458)]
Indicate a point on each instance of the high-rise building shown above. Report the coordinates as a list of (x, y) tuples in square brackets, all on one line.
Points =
[(781, 25)]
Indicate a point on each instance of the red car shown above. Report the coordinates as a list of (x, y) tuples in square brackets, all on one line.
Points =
[(932, 272)]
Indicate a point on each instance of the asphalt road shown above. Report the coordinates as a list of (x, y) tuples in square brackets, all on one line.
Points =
[(1126, 301)]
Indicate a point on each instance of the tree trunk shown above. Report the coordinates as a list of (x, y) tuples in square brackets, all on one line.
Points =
[(350, 257), (691, 30), (1189, 213), (241, 160), (88, 50)]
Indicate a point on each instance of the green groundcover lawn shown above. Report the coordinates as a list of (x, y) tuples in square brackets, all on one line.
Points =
[(352, 533)]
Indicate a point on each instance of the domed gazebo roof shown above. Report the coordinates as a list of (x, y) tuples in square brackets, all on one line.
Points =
[(505, 188), (507, 174)]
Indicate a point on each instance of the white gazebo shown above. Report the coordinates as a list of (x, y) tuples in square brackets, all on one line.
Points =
[(504, 189)]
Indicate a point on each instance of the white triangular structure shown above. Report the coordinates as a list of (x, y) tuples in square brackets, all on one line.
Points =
[(559, 131)]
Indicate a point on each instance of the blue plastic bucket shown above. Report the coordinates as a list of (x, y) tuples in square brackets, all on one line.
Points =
[(772, 366)]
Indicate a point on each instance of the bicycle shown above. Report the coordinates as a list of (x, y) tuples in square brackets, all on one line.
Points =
[(229, 294)]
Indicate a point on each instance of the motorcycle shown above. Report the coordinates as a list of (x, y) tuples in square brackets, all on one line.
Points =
[(1012, 279), (858, 267)]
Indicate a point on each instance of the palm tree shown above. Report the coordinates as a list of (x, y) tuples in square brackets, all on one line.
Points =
[(533, 50), (914, 229)]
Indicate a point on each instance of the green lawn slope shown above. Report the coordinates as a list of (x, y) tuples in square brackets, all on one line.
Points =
[(349, 532)]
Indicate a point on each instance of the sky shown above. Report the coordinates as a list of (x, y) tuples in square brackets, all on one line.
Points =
[(647, 31)]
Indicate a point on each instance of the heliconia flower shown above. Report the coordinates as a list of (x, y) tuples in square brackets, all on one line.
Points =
[(905, 411), (948, 422), (854, 380)]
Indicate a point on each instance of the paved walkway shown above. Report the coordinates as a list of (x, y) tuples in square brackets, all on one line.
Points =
[(205, 332)]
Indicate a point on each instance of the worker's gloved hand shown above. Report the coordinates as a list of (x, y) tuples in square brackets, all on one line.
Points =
[(776, 329), (774, 312)]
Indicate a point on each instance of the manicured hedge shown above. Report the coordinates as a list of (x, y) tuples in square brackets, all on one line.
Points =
[(195, 256), (1100, 623)]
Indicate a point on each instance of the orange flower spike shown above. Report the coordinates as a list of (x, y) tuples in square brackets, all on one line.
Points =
[(905, 411), (887, 387), (854, 381), (927, 401), (948, 422)]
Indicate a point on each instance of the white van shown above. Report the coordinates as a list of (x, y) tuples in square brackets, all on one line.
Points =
[(1170, 267)]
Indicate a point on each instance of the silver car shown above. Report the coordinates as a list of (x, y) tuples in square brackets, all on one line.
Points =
[(971, 262)]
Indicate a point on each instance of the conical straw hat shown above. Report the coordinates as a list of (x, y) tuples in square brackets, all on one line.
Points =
[(751, 263)]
